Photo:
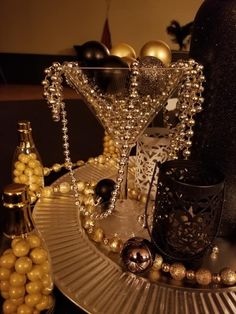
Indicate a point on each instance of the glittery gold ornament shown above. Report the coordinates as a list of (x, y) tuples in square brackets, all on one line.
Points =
[(228, 276), (203, 276), (177, 271), (158, 49), (123, 50)]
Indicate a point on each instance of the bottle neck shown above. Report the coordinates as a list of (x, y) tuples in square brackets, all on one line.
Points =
[(17, 221), (26, 139)]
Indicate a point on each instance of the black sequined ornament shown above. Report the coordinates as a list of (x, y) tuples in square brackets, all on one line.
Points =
[(104, 188), (138, 255)]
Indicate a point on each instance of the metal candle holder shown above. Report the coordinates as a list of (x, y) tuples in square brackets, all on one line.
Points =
[(188, 208)]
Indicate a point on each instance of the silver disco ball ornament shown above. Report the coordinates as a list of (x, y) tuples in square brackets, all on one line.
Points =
[(137, 255)]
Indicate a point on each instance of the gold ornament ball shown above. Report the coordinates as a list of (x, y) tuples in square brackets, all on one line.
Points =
[(177, 271), (158, 49), (228, 276), (203, 276), (123, 50)]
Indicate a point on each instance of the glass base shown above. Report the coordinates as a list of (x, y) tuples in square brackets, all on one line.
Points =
[(125, 221)]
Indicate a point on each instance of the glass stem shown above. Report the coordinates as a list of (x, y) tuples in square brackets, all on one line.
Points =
[(121, 189), (123, 171)]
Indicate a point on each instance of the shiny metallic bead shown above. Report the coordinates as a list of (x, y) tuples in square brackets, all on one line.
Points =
[(177, 271), (190, 274), (157, 262), (115, 245), (203, 276), (88, 223), (216, 278), (228, 276), (215, 249), (165, 267), (64, 187), (98, 235)]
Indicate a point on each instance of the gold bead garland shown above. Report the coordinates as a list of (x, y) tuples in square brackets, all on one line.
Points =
[(177, 271)]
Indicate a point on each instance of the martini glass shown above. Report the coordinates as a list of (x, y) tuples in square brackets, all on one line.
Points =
[(125, 101)]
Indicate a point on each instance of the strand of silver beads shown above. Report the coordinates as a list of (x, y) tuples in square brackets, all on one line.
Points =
[(189, 103)]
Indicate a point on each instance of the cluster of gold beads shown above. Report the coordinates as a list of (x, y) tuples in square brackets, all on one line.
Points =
[(109, 147), (201, 276), (29, 170), (25, 276)]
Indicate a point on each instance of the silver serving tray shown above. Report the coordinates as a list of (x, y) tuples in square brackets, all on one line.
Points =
[(93, 279)]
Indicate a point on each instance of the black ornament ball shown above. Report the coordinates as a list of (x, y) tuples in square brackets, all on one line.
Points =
[(91, 52), (138, 255), (112, 77), (104, 189)]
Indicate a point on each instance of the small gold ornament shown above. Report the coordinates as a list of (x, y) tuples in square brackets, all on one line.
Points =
[(216, 278), (115, 245), (203, 276), (228, 276), (98, 235), (157, 262), (158, 49), (88, 223), (190, 274), (123, 50), (177, 271), (165, 267)]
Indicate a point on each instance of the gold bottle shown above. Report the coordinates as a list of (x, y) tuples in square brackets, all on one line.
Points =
[(27, 165), (25, 267)]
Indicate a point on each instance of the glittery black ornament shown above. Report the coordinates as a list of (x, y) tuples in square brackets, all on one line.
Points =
[(214, 45), (104, 189), (138, 255)]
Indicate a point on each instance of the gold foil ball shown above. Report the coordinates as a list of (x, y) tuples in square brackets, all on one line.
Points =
[(203, 276), (123, 50), (228, 276), (177, 271), (158, 49)]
